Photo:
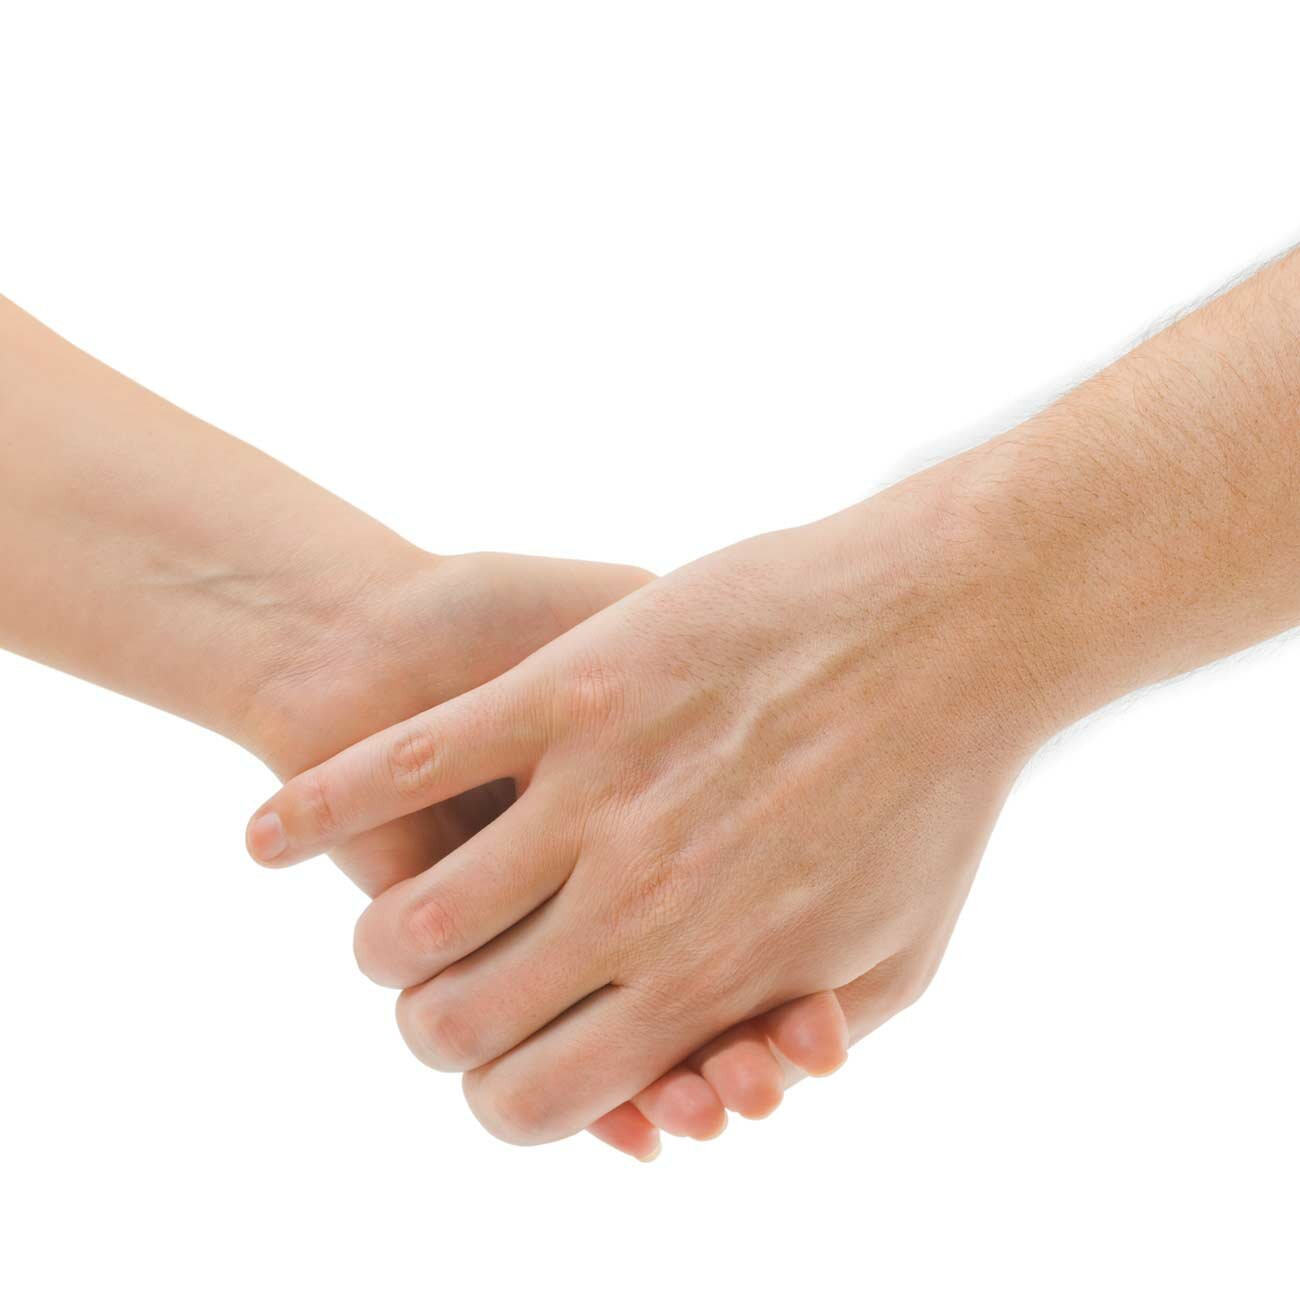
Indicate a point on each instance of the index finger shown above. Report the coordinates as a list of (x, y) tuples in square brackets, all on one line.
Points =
[(475, 738)]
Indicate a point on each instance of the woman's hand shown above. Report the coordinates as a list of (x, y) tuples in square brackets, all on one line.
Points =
[(770, 773), (423, 630)]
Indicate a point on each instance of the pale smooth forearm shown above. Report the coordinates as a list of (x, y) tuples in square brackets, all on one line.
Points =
[(153, 554)]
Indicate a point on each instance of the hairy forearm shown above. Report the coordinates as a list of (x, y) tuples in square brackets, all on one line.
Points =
[(782, 762), (1148, 522), (149, 552)]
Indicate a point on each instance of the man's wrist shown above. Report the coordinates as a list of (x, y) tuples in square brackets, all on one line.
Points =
[(1062, 546), (1004, 577)]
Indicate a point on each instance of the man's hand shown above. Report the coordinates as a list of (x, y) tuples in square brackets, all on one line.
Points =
[(774, 770), (439, 628), (769, 774)]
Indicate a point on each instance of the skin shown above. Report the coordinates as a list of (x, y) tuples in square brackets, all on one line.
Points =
[(655, 747), (149, 552), (506, 606), (774, 771)]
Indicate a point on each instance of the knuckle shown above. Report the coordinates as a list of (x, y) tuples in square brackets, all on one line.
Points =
[(442, 1037), (318, 805), (656, 891), (593, 692), (429, 926), (411, 760)]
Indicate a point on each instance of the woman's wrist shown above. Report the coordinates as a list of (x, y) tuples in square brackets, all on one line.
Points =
[(147, 551), (322, 637)]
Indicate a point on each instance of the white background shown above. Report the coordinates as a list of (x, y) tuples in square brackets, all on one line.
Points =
[(631, 281)]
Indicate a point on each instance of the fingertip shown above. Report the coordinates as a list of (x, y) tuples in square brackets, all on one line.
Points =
[(816, 1051), (746, 1076), (835, 1057), (755, 1096), (625, 1129), (812, 1034), (685, 1105), (265, 838)]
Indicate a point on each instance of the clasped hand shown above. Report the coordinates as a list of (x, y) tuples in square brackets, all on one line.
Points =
[(765, 776)]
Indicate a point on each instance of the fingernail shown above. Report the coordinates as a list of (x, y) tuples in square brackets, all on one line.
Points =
[(266, 837), (652, 1155)]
